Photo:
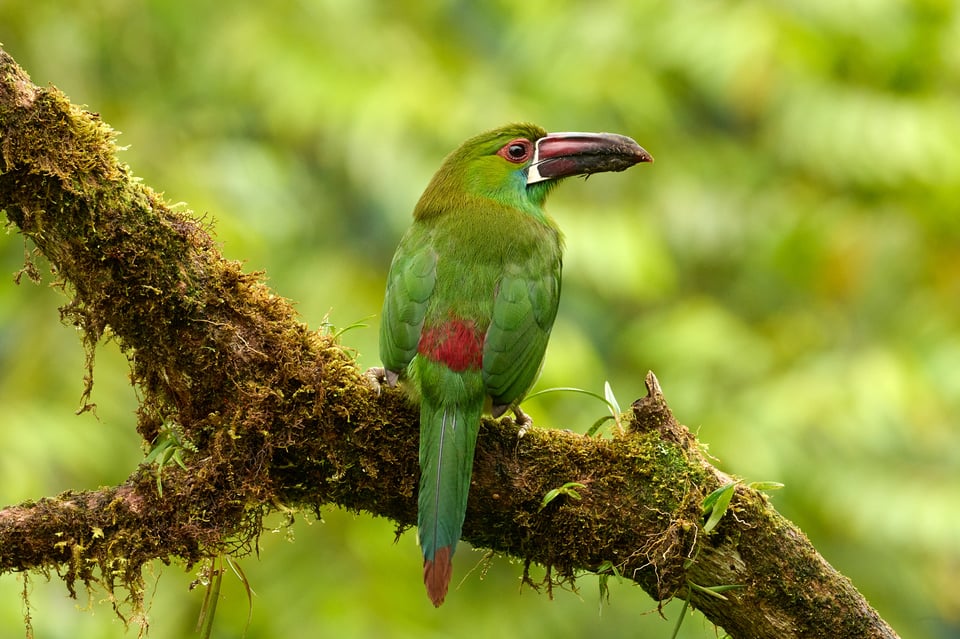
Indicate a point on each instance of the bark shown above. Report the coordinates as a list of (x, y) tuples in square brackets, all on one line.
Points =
[(268, 414)]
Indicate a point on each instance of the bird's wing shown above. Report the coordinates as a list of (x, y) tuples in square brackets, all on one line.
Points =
[(523, 312), (410, 283)]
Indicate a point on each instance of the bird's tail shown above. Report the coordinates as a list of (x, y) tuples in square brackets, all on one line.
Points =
[(448, 437)]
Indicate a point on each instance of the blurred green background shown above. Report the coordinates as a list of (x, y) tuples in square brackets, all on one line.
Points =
[(789, 267)]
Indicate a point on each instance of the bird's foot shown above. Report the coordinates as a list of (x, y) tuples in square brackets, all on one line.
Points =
[(523, 420), (377, 376)]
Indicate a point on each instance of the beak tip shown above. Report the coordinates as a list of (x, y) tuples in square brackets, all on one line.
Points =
[(642, 155)]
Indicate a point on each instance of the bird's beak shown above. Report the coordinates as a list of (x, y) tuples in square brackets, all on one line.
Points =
[(560, 155)]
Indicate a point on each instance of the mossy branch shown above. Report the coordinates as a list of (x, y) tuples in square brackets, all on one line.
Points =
[(280, 415)]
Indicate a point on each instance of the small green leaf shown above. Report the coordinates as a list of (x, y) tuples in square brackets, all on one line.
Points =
[(566, 489), (157, 450), (168, 447), (208, 609), (597, 424), (564, 389), (726, 587), (715, 505), (604, 571), (337, 333), (550, 496), (765, 485), (242, 576), (711, 499), (610, 398), (683, 613), (714, 591), (178, 458)]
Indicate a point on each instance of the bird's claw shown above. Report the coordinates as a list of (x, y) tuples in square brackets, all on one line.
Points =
[(377, 376), (524, 421)]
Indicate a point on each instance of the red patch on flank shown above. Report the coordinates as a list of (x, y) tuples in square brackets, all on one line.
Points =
[(436, 575), (457, 344)]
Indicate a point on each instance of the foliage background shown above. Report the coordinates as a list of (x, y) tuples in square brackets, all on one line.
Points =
[(789, 266)]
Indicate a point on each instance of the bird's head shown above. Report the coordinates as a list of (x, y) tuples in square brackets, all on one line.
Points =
[(518, 164)]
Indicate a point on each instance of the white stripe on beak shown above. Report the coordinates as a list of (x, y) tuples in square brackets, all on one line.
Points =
[(533, 173)]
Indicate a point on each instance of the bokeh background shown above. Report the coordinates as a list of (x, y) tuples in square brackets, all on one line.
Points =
[(789, 267)]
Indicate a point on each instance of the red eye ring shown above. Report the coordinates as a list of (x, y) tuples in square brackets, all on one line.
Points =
[(516, 151)]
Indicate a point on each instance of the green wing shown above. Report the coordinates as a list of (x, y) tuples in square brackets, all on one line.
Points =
[(410, 283), (523, 312)]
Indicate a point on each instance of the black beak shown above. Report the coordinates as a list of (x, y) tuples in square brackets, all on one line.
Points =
[(560, 155)]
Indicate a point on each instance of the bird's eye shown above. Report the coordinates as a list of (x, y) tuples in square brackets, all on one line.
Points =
[(517, 151)]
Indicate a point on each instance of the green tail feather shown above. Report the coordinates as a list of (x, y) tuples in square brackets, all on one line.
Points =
[(448, 438)]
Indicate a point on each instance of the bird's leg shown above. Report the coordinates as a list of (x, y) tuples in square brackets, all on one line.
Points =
[(377, 376), (523, 420)]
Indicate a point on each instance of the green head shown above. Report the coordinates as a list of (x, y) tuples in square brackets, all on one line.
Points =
[(518, 164)]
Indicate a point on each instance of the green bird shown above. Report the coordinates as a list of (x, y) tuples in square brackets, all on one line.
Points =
[(471, 297)]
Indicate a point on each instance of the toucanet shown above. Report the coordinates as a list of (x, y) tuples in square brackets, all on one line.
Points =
[(471, 297)]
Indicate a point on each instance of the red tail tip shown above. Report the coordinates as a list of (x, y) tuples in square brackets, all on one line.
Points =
[(436, 575)]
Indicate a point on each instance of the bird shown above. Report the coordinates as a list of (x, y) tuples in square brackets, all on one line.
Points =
[(471, 296)]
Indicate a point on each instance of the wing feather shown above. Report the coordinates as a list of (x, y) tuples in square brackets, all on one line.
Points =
[(410, 283), (524, 308)]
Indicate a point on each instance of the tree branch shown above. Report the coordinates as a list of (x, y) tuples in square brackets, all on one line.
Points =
[(278, 414)]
